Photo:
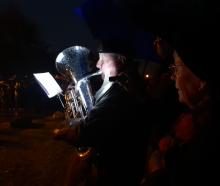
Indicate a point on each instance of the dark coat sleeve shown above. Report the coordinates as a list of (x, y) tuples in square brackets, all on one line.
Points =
[(104, 121)]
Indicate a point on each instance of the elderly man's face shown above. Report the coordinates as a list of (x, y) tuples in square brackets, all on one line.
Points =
[(186, 82), (107, 64)]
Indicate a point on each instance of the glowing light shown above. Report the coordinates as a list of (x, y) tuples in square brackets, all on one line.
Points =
[(147, 76)]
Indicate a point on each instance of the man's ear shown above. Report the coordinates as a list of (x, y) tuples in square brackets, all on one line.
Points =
[(122, 59)]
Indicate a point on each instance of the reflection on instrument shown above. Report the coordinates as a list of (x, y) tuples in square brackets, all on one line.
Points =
[(75, 64)]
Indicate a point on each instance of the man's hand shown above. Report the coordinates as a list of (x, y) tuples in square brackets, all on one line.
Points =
[(60, 133), (67, 134)]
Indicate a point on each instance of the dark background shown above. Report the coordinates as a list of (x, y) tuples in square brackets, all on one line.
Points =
[(34, 32)]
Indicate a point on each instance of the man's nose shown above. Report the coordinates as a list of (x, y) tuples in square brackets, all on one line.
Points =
[(98, 64)]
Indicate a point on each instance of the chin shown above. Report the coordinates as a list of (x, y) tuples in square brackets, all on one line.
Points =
[(181, 99), (184, 101)]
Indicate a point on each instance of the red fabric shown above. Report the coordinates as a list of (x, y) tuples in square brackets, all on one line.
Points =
[(185, 130), (165, 143)]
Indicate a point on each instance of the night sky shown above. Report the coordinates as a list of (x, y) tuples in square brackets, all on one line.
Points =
[(34, 32), (32, 28), (57, 22)]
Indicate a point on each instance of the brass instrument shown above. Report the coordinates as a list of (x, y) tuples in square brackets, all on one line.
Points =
[(75, 64)]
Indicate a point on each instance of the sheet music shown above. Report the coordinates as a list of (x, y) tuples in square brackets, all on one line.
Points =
[(48, 84)]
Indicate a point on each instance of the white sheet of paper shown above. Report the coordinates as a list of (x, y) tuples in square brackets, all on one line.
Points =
[(48, 84)]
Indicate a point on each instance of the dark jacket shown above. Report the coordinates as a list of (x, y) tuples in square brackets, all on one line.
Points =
[(113, 128), (193, 156)]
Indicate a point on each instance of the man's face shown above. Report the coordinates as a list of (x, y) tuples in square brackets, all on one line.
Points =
[(186, 82), (107, 64)]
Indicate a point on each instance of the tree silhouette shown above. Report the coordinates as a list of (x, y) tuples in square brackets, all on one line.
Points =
[(22, 50)]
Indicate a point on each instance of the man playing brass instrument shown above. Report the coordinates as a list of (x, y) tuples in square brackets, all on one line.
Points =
[(112, 127)]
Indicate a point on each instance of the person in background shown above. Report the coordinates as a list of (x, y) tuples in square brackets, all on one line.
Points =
[(187, 155), (163, 93), (112, 128)]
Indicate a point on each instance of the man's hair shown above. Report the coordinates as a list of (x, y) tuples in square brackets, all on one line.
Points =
[(118, 57), (120, 61)]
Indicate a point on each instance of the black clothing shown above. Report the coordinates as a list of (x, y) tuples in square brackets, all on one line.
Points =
[(114, 129), (193, 156)]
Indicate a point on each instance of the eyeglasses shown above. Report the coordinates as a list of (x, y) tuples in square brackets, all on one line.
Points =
[(173, 70), (157, 40)]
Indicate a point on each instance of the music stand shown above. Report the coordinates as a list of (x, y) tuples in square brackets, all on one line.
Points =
[(49, 85)]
